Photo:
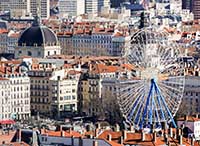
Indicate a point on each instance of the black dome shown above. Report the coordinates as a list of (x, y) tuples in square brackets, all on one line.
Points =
[(37, 35)]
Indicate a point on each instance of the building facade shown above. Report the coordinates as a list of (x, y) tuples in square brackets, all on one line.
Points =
[(99, 42), (17, 8), (53, 89), (44, 6), (15, 92), (71, 7), (94, 6), (196, 9)]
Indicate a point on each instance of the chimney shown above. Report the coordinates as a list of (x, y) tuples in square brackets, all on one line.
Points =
[(19, 134), (96, 132), (154, 136), (143, 135), (132, 129), (91, 136), (72, 139), (166, 138), (95, 143), (180, 139), (60, 128), (124, 134), (121, 140), (197, 116), (186, 117), (63, 133), (98, 125), (171, 132), (192, 141), (80, 141), (109, 137), (70, 130), (117, 128)]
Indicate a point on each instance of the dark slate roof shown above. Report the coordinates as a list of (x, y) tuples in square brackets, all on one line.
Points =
[(37, 35)]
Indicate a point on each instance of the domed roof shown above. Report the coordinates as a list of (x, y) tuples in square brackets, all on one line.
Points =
[(37, 35)]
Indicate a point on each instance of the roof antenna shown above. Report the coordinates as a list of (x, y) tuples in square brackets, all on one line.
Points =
[(37, 18)]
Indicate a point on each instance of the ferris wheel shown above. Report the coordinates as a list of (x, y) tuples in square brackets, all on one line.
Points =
[(155, 91)]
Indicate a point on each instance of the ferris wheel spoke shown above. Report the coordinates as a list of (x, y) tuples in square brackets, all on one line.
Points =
[(130, 93), (171, 87), (169, 94), (134, 105), (165, 105), (129, 104), (169, 101)]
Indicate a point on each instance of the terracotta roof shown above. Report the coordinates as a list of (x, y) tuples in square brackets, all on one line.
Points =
[(68, 133), (102, 68), (7, 137), (18, 144)]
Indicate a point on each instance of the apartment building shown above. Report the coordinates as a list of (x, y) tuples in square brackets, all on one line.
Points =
[(17, 8), (94, 6), (196, 9), (53, 88), (42, 5), (71, 8), (96, 42), (15, 91)]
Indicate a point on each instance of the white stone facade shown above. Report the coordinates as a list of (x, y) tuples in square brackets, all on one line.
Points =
[(15, 96)]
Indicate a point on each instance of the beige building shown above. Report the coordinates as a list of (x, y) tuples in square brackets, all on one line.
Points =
[(44, 8), (53, 88), (17, 8)]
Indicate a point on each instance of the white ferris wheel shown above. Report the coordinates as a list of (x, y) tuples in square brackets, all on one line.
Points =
[(154, 93)]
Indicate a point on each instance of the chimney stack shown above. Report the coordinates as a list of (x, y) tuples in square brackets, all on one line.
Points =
[(166, 138), (154, 136), (63, 133), (197, 116), (98, 125), (117, 128), (180, 139), (19, 134), (96, 132), (143, 135), (132, 129), (70, 130), (125, 134), (121, 140), (192, 141), (72, 139), (171, 132), (95, 143), (109, 137), (186, 117)]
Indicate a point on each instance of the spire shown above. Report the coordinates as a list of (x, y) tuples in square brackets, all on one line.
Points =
[(37, 18)]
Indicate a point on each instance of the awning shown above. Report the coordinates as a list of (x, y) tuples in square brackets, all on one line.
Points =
[(3, 122)]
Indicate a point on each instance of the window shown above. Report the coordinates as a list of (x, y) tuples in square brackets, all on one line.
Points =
[(29, 53), (39, 53)]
